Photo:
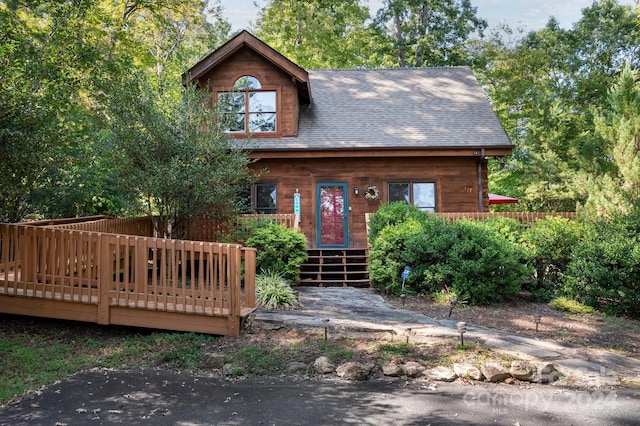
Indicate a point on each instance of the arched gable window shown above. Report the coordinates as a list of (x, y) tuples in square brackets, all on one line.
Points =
[(248, 108)]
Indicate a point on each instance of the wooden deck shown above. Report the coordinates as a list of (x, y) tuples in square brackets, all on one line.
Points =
[(128, 280)]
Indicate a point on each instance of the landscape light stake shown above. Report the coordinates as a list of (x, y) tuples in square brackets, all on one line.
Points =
[(462, 328), (250, 319), (325, 322), (407, 332), (452, 304), (403, 297), (537, 318)]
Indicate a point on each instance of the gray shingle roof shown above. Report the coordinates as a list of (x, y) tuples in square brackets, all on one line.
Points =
[(423, 108)]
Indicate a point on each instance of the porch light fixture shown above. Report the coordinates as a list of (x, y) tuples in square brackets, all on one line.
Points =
[(537, 318), (462, 328), (356, 191), (325, 323)]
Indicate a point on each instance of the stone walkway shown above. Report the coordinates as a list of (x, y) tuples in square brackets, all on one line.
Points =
[(362, 311)]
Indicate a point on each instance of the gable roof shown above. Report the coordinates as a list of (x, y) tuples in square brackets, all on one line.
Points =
[(245, 39), (401, 108)]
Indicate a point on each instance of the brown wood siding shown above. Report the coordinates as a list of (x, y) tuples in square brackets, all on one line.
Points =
[(456, 185), (248, 62)]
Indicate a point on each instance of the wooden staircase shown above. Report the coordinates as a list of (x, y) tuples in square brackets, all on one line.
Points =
[(336, 267)]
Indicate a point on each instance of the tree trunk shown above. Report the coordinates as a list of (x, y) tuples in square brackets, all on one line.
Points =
[(399, 39)]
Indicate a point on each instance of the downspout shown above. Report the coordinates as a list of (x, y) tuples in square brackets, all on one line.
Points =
[(480, 189)]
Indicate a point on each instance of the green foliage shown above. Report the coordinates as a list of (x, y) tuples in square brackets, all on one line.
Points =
[(480, 266), (317, 33), (550, 244), (467, 258), (619, 126), (274, 292), (445, 296), (30, 360), (390, 214), (420, 33), (569, 305), (51, 123), (545, 86), (259, 361), (280, 250), (173, 158), (604, 271), (397, 349)]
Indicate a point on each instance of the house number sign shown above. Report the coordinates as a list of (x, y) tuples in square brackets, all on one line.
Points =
[(296, 203)]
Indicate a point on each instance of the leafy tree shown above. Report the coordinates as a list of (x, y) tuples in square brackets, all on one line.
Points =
[(317, 33), (39, 99), (544, 88), (427, 32), (619, 125), (182, 167), (51, 54)]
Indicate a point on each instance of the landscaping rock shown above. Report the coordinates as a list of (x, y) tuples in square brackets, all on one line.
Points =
[(467, 371), (440, 374), (524, 370), (494, 372), (296, 367), (212, 360), (353, 371), (391, 369), (322, 365), (412, 369), (547, 373)]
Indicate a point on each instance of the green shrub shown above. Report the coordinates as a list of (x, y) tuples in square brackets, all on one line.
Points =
[(391, 214), (550, 243), (279, 249), (511, 229), (445, 296), (481, 266), (604, 270), (570, 305), (240, 229), (468, 258), (274, 292)]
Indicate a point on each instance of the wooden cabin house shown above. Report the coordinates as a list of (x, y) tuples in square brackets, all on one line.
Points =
[(339, 143)]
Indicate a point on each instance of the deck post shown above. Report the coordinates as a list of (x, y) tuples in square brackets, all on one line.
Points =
[(249, 277), (234, 289), (104, 278), (140, 266)]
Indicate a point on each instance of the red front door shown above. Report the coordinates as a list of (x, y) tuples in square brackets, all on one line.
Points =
[(332, 214)]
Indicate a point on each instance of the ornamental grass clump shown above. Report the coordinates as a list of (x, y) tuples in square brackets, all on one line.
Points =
[(274, 292)]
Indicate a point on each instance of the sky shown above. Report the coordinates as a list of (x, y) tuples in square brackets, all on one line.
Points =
[(526, 14)]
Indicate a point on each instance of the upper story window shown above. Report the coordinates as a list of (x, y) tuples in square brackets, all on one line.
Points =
[(248, 108), (422, 194)]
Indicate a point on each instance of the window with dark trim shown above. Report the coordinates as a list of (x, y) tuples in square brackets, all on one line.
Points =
[(421, 194), (248, 108), (265, 198)]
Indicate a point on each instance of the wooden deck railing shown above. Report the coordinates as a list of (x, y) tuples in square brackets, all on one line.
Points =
[(526, 218), (210, 229), (125, 279), (203, 230), (141, 226)]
